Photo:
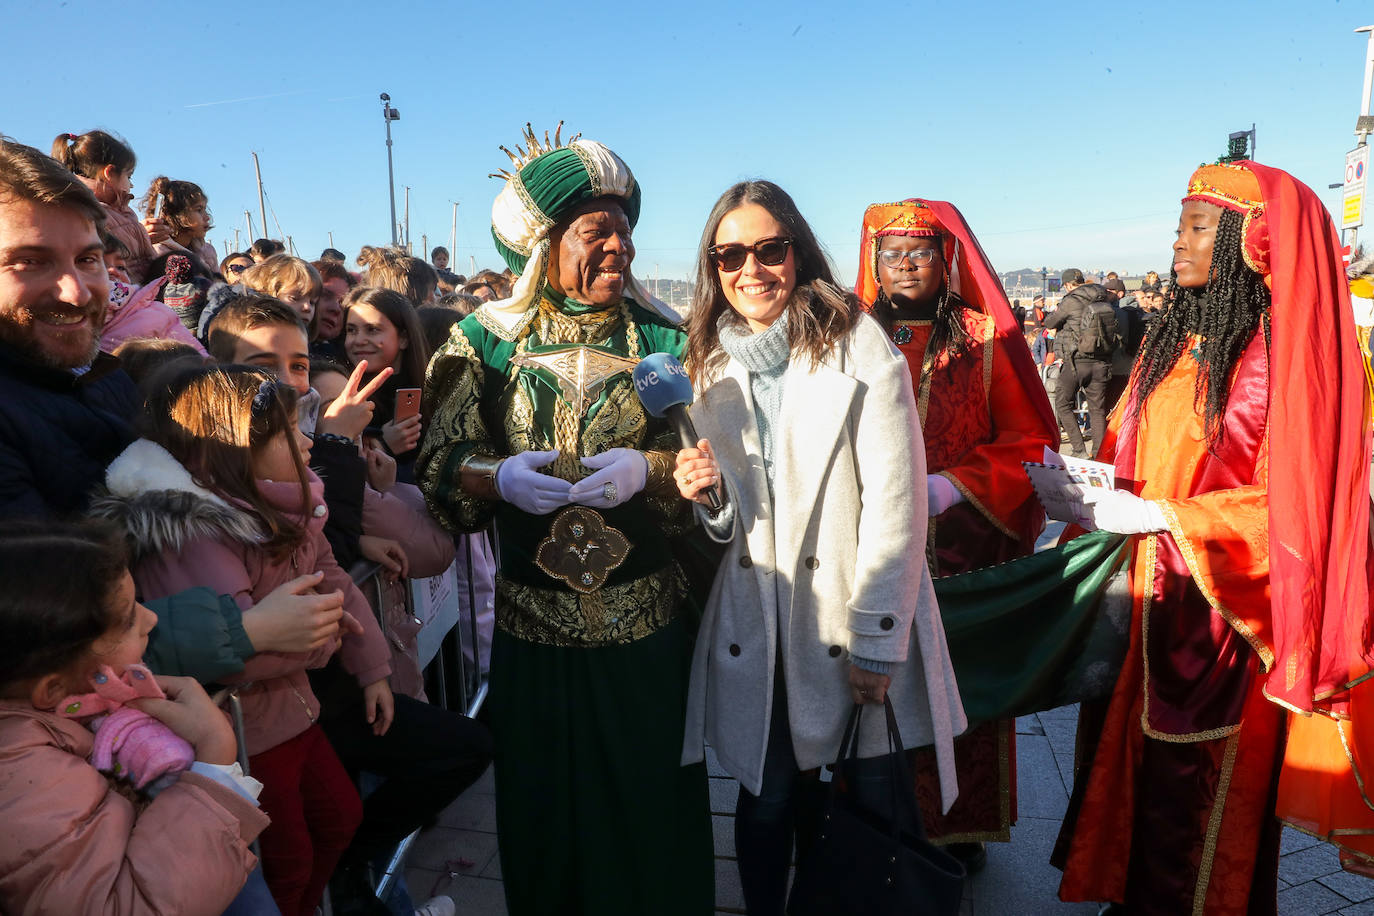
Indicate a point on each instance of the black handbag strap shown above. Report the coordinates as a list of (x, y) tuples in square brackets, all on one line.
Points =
[(900, 781)]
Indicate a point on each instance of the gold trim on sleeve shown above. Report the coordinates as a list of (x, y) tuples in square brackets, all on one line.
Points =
[(1185, 547), (1225, 731), (660, 481)]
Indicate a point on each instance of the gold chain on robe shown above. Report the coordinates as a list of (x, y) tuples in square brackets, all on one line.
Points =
[(554, 326)]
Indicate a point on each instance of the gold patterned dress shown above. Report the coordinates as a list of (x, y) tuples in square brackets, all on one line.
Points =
[(594, 614)]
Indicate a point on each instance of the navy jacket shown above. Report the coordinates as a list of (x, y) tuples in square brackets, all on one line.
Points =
[(59, 431)]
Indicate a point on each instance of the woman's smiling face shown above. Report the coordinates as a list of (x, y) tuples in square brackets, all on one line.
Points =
[(757, 292)]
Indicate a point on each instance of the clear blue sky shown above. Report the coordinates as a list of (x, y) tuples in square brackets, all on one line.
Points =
[(1065, 132)]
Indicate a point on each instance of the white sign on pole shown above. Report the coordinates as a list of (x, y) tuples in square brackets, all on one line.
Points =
[(435, 601), (1352, 194)]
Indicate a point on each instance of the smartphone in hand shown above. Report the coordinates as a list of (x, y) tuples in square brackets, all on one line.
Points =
[(157, 207), (407, 404)]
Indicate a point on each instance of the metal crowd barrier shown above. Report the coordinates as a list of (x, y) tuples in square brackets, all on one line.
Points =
[(472, 690), (472, 686)]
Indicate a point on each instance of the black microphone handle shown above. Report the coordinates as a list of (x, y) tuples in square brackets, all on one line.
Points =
[(687, 435)]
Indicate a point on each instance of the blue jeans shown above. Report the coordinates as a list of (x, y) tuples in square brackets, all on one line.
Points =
[(789, 805), (255, 899)]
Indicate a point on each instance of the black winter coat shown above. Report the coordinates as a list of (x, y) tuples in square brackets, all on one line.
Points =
[(1064, 321), (59, 431)]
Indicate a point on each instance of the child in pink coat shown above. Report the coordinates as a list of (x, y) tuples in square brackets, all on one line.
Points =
[(72, 839), (137, 313), (220, 496)]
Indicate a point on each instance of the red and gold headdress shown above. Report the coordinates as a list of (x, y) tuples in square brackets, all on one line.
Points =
[(913, 218), (970, 273), (1234, 187)]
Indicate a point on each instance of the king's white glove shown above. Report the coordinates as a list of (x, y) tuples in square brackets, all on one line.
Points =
[(620, 474), (1121, 512), (525, 488), (940, 494)]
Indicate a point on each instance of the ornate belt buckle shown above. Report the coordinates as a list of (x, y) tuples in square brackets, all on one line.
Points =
[(581, 549)]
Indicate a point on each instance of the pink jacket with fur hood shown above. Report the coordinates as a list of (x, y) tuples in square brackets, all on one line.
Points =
[(185, 536), (71, 844)]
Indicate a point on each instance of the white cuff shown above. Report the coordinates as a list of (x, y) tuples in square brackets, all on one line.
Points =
[(231, 777)]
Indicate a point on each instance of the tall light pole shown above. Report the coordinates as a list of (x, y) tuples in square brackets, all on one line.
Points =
[(390, 114), (1364, 125)]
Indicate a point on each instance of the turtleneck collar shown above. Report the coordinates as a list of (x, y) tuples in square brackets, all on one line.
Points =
[(760, 352)]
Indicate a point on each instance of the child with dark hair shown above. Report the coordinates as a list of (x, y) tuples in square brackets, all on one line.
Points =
[(184, 208), (143, 357), (72, 842), (106, 166), (262, 249), (219, 495)]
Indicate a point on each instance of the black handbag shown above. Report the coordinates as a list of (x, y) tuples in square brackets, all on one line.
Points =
[(864, 863)]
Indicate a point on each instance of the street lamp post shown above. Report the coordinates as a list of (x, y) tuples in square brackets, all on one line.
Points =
[(390, 114)]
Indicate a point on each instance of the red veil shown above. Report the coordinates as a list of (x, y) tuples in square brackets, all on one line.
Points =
[(971, 276)]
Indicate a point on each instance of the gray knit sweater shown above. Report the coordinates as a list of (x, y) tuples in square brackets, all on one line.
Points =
[(765, 355)]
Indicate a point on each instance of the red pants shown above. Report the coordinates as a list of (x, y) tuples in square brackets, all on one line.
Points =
[(315, 810)]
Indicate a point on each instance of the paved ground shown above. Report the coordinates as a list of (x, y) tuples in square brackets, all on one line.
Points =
[(459, 856)]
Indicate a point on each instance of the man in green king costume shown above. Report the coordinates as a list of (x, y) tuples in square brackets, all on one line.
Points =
[(535, 423)]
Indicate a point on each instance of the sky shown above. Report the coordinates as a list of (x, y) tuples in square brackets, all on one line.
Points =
[(1065, 132)]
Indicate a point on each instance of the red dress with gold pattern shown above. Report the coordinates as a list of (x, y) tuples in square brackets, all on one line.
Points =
[(979, 423), (1173, 802)]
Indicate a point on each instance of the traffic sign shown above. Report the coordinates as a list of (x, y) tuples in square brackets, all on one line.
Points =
[(1352, 194)]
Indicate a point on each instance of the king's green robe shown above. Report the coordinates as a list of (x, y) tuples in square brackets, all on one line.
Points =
[(594, 812)]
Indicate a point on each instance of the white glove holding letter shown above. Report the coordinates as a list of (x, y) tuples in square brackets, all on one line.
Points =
[(525, 488), (940, 494), (1121, 512), (620, 474)]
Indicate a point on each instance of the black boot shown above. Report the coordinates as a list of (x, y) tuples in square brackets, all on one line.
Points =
[(352, 893), (973, 855)]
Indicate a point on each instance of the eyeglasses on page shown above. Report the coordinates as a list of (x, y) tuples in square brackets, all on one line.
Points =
[(769, 252)]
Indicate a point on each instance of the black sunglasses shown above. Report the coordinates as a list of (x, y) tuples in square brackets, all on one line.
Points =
[(769, 252)]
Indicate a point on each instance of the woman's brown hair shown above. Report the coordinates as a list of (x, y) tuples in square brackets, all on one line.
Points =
[(212, 419), (392, 268), (819, 313), (397, 309)]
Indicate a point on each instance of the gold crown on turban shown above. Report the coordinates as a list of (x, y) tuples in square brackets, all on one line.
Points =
[(533, 149), (1235, 188), (1230, 186), (913, 220)]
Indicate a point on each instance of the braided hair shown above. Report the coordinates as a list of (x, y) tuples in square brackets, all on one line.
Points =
[(1225, 313)]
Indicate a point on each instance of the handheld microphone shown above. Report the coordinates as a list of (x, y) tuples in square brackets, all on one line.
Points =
[(666, 391)]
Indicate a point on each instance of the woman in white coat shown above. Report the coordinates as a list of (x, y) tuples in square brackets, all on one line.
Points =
[(823, 598)]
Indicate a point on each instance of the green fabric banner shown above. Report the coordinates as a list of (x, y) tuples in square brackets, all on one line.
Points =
[(1039, 632)]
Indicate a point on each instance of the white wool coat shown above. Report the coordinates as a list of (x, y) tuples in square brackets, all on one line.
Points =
[(835, 564)]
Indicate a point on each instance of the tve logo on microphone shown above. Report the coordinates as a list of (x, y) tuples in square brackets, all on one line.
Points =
[(666, 364)]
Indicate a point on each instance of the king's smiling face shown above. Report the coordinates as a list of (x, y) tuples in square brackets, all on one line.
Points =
[(590, 257), (53, 284)]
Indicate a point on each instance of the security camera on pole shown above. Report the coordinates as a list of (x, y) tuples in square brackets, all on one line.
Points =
[(390, 114)]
